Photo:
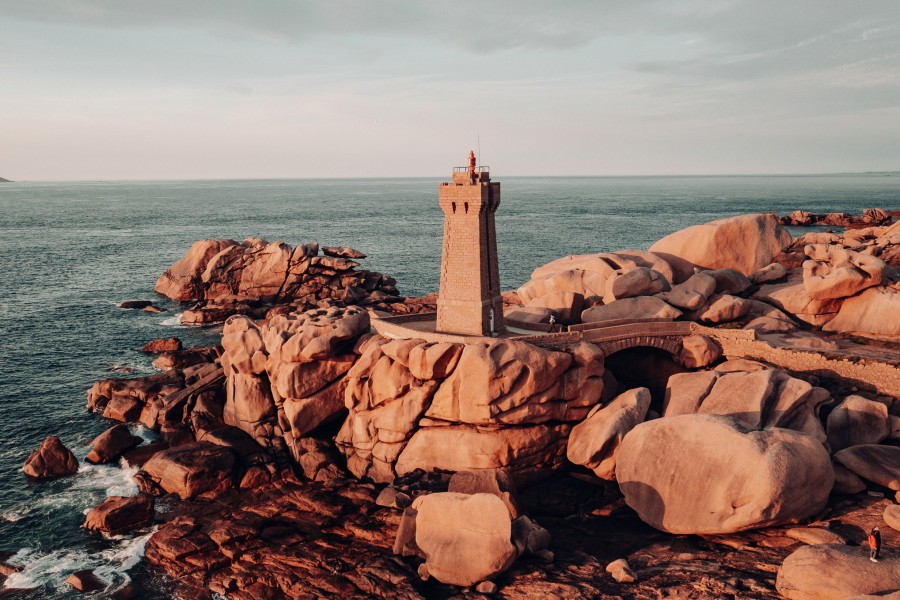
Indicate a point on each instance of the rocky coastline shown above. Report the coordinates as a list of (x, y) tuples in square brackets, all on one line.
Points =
[(312, 456)]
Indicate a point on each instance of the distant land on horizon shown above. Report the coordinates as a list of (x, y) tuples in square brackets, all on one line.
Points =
[(5, 180)]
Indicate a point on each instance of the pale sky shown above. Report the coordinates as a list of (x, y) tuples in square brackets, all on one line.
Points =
[(185, 89)]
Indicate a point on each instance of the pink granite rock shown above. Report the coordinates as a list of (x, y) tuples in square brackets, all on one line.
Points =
[(745, 243), (51, 459), (696, 474), (594, 443)]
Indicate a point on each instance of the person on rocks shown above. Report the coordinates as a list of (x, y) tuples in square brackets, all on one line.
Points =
[(874, 544), (551, 322)]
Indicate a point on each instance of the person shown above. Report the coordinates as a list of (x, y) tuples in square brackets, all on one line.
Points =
[(552, 321), (874, 544)]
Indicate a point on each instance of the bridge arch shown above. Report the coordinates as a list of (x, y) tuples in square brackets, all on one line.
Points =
[(672, 346)]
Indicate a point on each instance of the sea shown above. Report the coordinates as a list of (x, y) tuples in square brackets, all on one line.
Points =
[(71, 251)]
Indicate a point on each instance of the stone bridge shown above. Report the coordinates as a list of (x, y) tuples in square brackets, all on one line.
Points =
[(613, 336)]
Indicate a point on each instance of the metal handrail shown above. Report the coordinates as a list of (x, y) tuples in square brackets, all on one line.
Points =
[(466, 169)]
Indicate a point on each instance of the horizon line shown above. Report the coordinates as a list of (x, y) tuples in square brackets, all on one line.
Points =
[(381, 177)]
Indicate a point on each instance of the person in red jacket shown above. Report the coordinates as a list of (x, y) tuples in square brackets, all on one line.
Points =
[(874, 544)]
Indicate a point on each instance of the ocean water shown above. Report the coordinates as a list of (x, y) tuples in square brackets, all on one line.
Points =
[(71, 251)]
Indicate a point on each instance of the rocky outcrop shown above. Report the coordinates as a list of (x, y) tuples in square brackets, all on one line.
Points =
[(482, 405), (836, 572), (873, 462), (869, 314), (745, 243), (692, 293), (759, 399), (191, 470), (112, 443), (256, 270), (712, 474), (51, 459), (466, 538), (589, 274), (285, 378), (594, 443), (643, 307), (869, 217), (832, 271), (791, 297), (118, 514), (160, 345), (857, 421)]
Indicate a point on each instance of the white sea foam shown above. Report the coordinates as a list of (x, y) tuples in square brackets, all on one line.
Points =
[(89, 486), (43, 568), (173, 321)]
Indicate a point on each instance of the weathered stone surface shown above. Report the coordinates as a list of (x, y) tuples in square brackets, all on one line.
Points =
[(231, 274), (699, 351), (182, 281), (527, 452), (307, 414), (85, 581), (745, 243), (872, 462), (182, 359), (891, 516), (128, 394), (51, 459), (845, 481), (530, 314), (118, 514), (721, 309), (764, 317), (769, 273), (857, 421), (342, 252), (594, 443), (835, 572), (192, 470), (729, 281), (835, 272), (872, 313), (288, 373), (172, 344), (692, 293), (791, 296), (760, 399), (587, 274), (565, 305), (639, 281), (621, 571), (512, 382), (712, 474), (465, 538), (643, 307), (814, 535), (112, 443), (489, 481)]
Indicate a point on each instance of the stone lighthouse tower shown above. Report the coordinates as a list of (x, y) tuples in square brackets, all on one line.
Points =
[(469, 300)]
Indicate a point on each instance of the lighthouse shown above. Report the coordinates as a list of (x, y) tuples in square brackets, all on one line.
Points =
[(469, 297)]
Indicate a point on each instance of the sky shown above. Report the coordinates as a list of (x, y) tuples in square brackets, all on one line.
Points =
[(208, 89)]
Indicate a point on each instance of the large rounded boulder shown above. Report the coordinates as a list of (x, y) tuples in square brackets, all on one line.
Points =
[(836, 572), (745, 243), (709, 474)]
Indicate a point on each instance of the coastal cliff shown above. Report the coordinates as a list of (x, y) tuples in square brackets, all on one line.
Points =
[(315, 456)]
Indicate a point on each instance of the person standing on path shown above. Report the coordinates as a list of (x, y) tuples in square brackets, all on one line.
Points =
[(874, 544)]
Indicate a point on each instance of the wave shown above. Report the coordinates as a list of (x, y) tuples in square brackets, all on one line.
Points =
[(90, 486), (39, 569), (174, 321)]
